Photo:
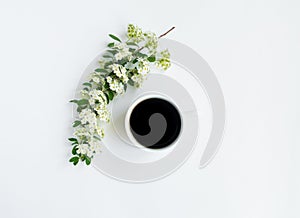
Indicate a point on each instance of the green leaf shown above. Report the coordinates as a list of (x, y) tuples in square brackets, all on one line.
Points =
[(106, 85), (108, 63), (87, 84), (110, 95), (87, 160), (132, 43), (107, 98), (132, 50), (74, 150), (73, 139), (110, 45), (151, 58), (103, 76), (75, 160), (97, 138), (114, 37), (123, 62), (107, 56), (130, 82), (76, 123), (82, 157), (74, 101), (100, 70), (113, 52), (139, 54), (83, 101)]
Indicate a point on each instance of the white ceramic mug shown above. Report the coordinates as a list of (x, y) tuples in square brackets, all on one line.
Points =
[(129, 130)]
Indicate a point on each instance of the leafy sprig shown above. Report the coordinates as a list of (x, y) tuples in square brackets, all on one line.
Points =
[(124, 63)]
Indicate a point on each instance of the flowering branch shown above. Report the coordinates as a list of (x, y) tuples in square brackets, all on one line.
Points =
[(121, 65)]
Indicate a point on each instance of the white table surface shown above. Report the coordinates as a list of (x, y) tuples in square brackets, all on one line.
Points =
[(252, 46)]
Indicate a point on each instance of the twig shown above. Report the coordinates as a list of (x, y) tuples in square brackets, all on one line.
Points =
[(162, 35)]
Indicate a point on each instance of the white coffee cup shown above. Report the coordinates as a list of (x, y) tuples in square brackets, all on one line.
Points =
[(128, 115)]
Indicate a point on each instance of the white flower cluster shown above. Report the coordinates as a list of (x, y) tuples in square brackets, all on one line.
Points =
[(98, 102), (88, 117), (82, 133), (97, 97), (123, 52), (89, 120), (90, 149), (115, 85), (151, 42), (138, 79), (143, 66), (88, 145), (96, 79), (120, 72), (164, 61), (135, 33)]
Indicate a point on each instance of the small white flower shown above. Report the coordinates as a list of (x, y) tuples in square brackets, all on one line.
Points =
[(123, 70), (91, 127), (125, 79), (89, 153), (113, 85), (123, 51), (88, 117), (82, 132), (117, 86), (97, 97), (94, 145), (135, 33), (119, 70), (83, 148), (120, 88), (96, 79), (138, 79), (115, 67), (103, 113), (151, 41), (143, 65), (100, 131), (118, 73), (164, 61), (84, 93), (109, 79), (121, 46), (119, 56)]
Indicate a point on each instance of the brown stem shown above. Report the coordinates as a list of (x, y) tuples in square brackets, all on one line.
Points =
[(162, 35)]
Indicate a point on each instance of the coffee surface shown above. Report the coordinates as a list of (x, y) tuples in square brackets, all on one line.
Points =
[(155, 123)]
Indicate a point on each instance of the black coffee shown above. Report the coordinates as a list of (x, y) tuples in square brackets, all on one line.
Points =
[(155, 123)]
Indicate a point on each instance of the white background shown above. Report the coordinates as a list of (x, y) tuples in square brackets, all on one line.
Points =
[(254, 49)]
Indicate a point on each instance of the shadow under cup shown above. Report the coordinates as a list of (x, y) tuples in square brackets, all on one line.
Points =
[(155, 123)]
